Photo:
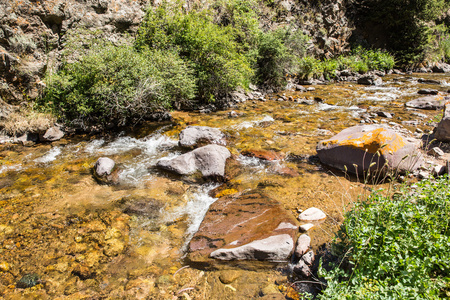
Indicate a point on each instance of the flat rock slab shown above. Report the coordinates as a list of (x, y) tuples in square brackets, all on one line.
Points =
[(209, 160), (359, 149), (194, 136), (246, 227), (428, 103)]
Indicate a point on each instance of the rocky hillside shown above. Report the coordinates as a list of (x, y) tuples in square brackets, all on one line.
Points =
[(33, 34)]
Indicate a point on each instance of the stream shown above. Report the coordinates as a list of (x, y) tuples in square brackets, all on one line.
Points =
[(85, 240)]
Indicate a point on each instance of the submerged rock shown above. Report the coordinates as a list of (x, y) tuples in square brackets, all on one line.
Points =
[(359, 149), (208, 160), (246, 227), (262, 154), (443, 128), (428, 102), (193, 136), (29, 280)]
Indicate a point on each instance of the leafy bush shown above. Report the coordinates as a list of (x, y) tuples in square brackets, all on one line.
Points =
[(279, 52), (359, 60), (115, 85), (219, 63), (395, 248)]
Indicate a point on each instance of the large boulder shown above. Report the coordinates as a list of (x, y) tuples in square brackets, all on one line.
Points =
[(443, 128), (244, 227), (193, 136), (209, 160), (359, 149), (428, 102)]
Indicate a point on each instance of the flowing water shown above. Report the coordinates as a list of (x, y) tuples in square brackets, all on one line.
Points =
[(89, 241)]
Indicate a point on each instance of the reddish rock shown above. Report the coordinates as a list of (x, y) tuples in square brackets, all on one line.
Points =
[(263, 154), (238, 228)]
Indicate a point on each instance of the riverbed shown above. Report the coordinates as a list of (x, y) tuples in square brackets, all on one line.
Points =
[(86, 240)]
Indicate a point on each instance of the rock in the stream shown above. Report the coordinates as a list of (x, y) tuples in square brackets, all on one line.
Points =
[(429, 81), (443, 128), (370, 79), (105, 172), (428, 102), (303, 244), (359, 149), (428, 92), (193, 136), (312, 214), (244, 227), (52, 134), (274, 248), (209, 160)]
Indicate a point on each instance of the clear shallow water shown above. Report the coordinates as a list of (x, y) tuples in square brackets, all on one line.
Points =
[(128, 241)]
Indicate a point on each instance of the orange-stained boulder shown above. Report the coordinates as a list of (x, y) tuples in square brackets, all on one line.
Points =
[(244, 227), (360, 148)]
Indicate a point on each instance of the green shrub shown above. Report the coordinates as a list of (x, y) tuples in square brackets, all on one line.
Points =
[(218, 60), (279, 54), (395, 248), (115, 85)]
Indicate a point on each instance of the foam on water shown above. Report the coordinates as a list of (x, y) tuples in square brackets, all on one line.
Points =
[(249, 124), (198, 202), (49, 156), (136, 169), (17, 167)]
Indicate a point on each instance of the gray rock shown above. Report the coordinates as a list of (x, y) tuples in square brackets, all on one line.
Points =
[(435, 151), (306, 227), (428, 92), (312, 214), (275, 248), (441, 68), (52, 134), (303, 244), (370, 80), (308, 258), (443, 128), (359, 149), (194, 135), (209, 160), (384, 114), (104, 166), (429, 81), (428, 103), (302, 269), (438, 170)]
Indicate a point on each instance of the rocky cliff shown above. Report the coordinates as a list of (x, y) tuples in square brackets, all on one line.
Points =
[(33, 34)]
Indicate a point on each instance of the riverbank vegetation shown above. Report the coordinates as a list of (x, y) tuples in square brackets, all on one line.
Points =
[(183, 55), (394, 247)]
